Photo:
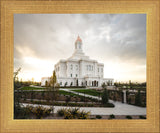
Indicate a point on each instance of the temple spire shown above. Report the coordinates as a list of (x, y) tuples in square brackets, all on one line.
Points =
[(78, 44), (79, 39)]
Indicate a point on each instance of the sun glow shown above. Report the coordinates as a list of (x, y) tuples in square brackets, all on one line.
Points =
[(39, 68)]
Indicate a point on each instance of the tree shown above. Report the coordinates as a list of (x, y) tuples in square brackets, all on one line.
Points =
[(138, 98), (103, 85), (16, 74), (54, 89), (15, 78), (53, 79), (105, 96)]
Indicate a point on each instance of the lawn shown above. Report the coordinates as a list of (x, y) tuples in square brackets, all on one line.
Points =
[(67, 93), (72, 88), (72, 94), (31, 88), (89, 92)]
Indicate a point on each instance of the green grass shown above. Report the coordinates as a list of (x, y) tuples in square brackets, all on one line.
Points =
[(67, 93), (71, 88), (31, 88), (76, 95), (89, 92)]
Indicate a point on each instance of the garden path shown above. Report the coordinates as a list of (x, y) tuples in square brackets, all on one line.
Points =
[(119, 109)]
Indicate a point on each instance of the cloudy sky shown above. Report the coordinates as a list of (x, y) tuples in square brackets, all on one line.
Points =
[(117, 40)]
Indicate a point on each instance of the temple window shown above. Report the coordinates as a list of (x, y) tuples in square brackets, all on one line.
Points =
[(71, 66)]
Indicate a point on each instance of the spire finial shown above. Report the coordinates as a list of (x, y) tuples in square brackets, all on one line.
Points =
[(78, 38)]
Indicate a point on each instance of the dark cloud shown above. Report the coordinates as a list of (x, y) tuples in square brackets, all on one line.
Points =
[(105, 36)]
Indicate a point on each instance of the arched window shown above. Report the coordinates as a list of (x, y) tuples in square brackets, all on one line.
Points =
[(71, 66)]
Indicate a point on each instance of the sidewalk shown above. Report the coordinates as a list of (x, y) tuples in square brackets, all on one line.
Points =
[(119, 109)]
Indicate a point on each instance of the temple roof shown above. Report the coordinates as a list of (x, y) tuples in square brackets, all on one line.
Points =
[(79, 39)]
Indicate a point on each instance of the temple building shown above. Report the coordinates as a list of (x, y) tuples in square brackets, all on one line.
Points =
[(79, 70)]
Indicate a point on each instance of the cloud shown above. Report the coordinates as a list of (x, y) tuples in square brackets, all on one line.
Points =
[(106, 37)]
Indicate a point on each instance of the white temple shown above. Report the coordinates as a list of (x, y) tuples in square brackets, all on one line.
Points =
[(79, 70)]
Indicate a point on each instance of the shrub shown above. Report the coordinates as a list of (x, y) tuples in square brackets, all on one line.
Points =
[(39, 111), (129, 117), (75, 114), (142, 117), (21, 112), (112, 116), (98, 116), (83, 115), (28, 111), (61, 112)]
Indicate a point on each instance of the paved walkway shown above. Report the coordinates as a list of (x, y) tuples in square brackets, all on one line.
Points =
[(119, 109)]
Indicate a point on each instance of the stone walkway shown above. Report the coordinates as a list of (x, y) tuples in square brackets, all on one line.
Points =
[(119, 109)]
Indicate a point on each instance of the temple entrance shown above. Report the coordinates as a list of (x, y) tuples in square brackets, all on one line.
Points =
[(92, 83), (86, 83), (95, 83), (82, 83), (77, 82)]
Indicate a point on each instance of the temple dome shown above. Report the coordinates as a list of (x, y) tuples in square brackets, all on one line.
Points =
[(79, 39)]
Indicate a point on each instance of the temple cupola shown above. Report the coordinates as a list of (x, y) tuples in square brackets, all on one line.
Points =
[(78, 44)]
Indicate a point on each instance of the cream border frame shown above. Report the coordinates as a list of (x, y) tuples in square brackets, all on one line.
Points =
[(149, 7)]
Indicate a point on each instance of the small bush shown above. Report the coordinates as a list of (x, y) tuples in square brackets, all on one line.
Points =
[(112, 116), (75, 114), (28, 111), (39, 112), (142, 117), (61, 112), (98, 116), (83, 115), (129, 117)]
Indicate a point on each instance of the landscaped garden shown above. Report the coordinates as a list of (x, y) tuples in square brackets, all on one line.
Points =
[(58, 98), (89, 92), (32, 88), (42, 100)]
